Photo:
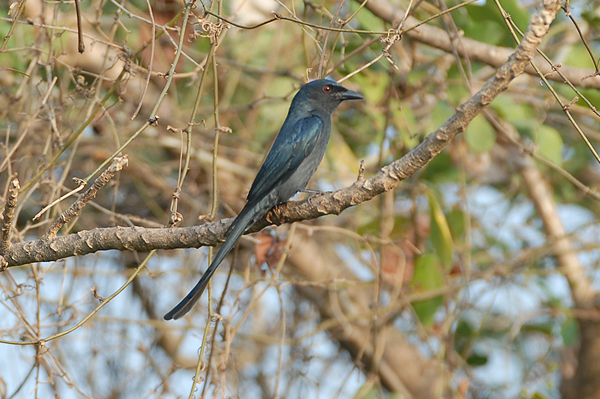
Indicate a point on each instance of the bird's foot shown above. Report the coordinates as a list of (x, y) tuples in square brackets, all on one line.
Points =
[(313, 192)]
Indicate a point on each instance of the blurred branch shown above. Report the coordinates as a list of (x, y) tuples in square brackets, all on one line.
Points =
[(584, 384), (400, 367), (541, 194), (473, 49)]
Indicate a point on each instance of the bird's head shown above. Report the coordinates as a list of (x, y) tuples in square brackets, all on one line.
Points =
[(326, 95)]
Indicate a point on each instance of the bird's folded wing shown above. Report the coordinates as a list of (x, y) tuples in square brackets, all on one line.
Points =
[(290, 148)]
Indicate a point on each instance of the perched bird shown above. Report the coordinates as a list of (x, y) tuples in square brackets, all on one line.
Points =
[(294, 157)]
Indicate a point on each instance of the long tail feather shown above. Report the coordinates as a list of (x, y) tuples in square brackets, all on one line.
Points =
[(240, 224)]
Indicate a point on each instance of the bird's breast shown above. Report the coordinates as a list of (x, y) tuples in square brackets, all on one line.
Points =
[(299, 179)]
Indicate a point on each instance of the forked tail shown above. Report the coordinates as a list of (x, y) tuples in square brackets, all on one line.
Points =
[(240, 224)]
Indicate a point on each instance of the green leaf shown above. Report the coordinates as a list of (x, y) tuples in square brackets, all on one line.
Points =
[(487, 23), (458, 94), (457, 222), (464, 329), (439, 114), (367, 20), (480, 135), (549, 144), (428, 275), (542, 327), (369, 391), (440, 169), (518, 14), (366, 391), (570, 332), (372, 86), (405, 122), (441, 239), (341, 157), (477, 359), (520, 115), (578, 56)]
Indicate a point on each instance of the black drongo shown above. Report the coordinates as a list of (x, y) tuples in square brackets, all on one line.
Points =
[(294, 157)]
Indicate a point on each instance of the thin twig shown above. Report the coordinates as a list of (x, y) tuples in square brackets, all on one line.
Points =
[(153, 119), (16, 9), (567, 11), (512, 27), (103, 303), (150, 63), (331, 203), (71, 139), (80, 45), (278, 17), (82, 185), (76, 208)]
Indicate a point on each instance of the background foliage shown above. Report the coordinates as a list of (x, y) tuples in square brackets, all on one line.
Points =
[(459, 275)]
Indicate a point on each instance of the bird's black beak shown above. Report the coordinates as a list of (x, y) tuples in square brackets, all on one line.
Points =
[(351, 95)]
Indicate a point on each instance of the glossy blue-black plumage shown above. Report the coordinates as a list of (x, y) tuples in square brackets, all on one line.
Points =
[(292, 160)]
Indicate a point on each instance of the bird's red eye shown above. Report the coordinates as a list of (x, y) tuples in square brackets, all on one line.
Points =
[(327, 89)]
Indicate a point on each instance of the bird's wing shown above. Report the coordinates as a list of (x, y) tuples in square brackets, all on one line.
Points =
[(290, 148)]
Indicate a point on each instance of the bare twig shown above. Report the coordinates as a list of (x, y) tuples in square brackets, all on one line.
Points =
[(565, 107), (279, 17), (16, 9), (582, 37), (80, 45), (150, 64), (103, 303), (82, 185), (76, 208), (153, 119), (76, 134), (361, 171)]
